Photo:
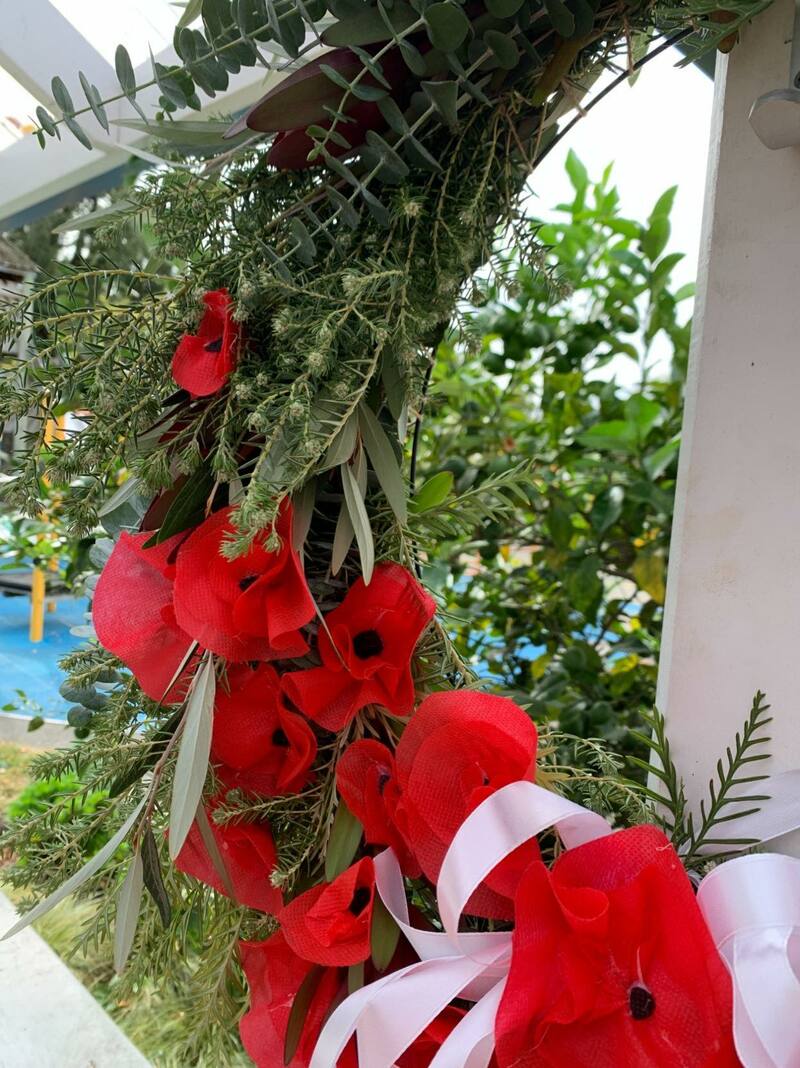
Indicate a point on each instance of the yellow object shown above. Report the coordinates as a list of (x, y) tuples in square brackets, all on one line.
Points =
[(37, 604)]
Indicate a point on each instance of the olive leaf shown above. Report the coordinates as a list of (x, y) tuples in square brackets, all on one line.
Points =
[(153, 879), (384, 462), (80, 877), (343, 842), (129, 903), (191, 766), (354, 498)]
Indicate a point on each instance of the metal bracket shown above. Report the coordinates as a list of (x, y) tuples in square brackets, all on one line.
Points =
[(775, 116)]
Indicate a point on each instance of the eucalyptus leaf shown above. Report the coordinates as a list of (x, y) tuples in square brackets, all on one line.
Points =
[(384, 462), (80, 877), (190, 13), (360, 521), (343, 842), (444, 97), (125, 73), (46, 121), (447, 25), (62, 96), (191, 766), (369, 26), (129, 904)]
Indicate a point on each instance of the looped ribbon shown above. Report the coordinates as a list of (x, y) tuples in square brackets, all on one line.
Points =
[(751, 905)]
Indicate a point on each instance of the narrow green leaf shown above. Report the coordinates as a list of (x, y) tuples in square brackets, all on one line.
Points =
[(129, 903), (303, 509), (434, 492), (342, 539), (188, 507), (343, 842), (153, 879), (80, 877), (360, 521), (191, 766), (213, 850), (304, 249), (384, 935), (299, 1011), (384, 462), (90, 221), (343, 445), (190, 13)]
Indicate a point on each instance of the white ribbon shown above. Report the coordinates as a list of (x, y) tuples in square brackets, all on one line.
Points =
[(751, 905)]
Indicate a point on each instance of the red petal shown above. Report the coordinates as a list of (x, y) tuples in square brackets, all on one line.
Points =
[(133, 614), (250, 858), (330, 924)]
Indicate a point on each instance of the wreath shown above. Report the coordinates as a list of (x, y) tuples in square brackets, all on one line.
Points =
[(383, 863)]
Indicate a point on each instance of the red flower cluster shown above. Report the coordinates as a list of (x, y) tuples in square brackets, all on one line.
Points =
[(613, 964), (203, 362)]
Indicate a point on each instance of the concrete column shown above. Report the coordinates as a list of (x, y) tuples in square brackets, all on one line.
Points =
[(732, 621)]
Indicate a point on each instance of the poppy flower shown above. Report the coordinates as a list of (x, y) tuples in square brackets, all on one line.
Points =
[(250, 859), (613, 965), (249, 608), (366, 778), (133, 614), (424, 1048), (203, 362), (330, 923), (275, 974), (262, 747), (366, 649), (459, 748)]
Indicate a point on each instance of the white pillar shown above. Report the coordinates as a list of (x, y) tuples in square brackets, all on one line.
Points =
[(732, 621)]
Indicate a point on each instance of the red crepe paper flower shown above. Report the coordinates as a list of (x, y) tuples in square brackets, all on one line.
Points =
[(330, 924), (203, 362), (424, 1049), (275, 974), (366, 778), (249, 608), (263, 747), (250, 858), (373, 631), (134, 618), (457, 750), (613, 965)]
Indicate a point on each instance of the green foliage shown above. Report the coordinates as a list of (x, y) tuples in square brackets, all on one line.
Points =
[(560, 599), (705, 839), (64, 796)]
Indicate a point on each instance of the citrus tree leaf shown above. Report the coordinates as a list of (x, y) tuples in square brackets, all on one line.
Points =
[(434, 492)]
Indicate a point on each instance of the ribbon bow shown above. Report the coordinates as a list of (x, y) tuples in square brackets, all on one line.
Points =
[(751, 905)]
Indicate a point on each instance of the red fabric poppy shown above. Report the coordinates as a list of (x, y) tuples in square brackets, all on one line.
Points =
[(134, 618), (330, 923), (366, 778), (374, 631), (203, 362), (250, 858), (457, 750), (613, 965), (275, 974), (262, 747), (250, 608)]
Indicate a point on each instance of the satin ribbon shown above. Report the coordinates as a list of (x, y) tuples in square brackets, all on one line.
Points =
[(751, 905)]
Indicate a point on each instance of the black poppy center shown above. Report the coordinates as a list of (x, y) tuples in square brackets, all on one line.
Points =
[(361, 899), (383, 778), (641, 1001), (246, 582), (215, 345), (279, 738), (366, 644)]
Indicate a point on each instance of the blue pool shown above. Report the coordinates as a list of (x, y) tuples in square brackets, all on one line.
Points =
[(33, 668)]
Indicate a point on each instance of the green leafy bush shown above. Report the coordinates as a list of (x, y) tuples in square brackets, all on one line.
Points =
[(562, 601), (50, 796)]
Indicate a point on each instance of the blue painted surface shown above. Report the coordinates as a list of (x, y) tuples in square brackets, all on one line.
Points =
[(33, 668)]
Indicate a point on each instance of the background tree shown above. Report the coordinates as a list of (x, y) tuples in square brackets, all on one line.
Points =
[(561, 602)]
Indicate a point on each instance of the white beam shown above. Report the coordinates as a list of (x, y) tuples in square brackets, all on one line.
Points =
[(38, 42), (732, 621)]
